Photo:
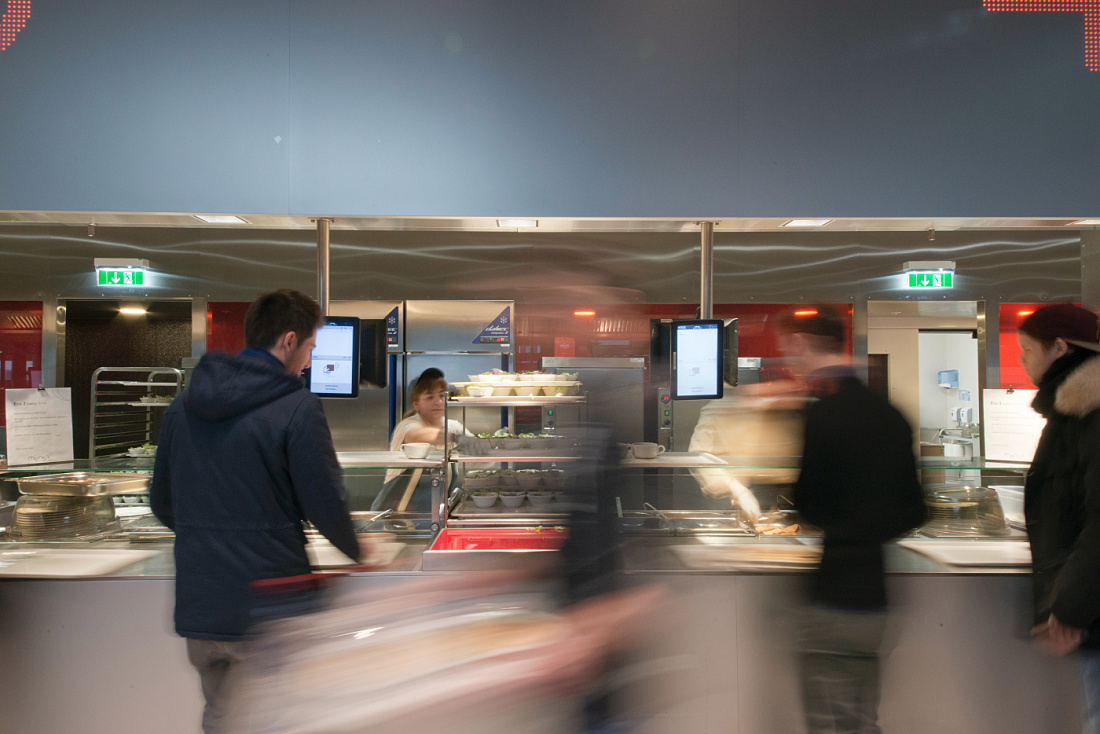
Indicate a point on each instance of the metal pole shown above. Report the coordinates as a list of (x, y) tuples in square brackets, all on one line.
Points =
[(706, 271), (322, 264)]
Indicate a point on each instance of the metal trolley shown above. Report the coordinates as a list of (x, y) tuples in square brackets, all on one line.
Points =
[(124, 401)]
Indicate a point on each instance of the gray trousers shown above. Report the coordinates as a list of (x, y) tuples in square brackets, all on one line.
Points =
[(839, 668), (216, 660)]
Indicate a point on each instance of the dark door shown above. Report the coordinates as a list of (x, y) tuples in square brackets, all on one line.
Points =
[(98, 335)]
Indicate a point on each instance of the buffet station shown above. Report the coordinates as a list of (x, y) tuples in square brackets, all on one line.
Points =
[(79, 543)]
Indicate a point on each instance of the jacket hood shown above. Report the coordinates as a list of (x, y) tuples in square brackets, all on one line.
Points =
[(224, 387), (1079, 395)]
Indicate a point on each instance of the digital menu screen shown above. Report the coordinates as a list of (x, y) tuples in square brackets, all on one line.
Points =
[(697, 359), (334, 372)]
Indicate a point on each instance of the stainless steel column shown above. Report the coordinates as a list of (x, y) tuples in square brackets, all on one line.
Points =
[(860, 337), (1090, 268), (198, 327), (322, 264), (706, 271)]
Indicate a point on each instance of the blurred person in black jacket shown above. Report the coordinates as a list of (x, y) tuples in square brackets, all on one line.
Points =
[(858, 483), (245, 459), (1059, 345)]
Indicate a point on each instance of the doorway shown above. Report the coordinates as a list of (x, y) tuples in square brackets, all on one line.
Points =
[(933, 355), (97, 333)]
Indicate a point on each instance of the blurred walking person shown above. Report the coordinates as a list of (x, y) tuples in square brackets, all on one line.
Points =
[(858, 483)]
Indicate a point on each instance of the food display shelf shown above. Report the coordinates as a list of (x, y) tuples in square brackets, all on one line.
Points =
[(387, 460), (518, 401), (681, 459), (518, 456)]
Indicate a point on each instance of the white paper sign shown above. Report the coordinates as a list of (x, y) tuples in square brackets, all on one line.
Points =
[(1011, 427), (40, 425)]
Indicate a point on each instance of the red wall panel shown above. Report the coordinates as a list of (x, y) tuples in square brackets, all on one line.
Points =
[(20, 346)]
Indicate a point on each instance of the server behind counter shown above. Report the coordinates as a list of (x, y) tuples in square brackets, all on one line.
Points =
[(410, 490)]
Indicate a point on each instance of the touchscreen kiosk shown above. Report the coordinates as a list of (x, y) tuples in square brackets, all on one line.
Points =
[(334, 372), (697, 364)]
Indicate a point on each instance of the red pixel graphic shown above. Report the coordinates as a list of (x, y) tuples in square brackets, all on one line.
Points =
[(1090, 8), (13, 20)]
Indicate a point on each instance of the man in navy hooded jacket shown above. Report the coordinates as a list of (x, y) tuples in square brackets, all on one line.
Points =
[(245, 458)]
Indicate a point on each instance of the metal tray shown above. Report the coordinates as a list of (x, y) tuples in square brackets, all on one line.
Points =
[(86, 484)]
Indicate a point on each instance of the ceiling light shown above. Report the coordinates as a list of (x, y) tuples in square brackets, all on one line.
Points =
[(517, 222), (1024, 313), (132, 310), (584, 313), (806, 312), (807, 222), (220, 219), (1085, 223)]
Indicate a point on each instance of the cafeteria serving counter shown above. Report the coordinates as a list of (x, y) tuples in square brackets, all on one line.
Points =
[(721, 658)]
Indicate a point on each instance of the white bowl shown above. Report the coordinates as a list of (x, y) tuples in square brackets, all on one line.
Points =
[(511, 500), (488, 377), (551, 378), (554, 390), (529, 480), (502, 392), (479, 391), (471, 483), (484, 501), (416, 450), (532, 377), (507, 478), (528, 390), (540, 498)]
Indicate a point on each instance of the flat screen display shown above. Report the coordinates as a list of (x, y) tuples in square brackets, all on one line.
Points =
[(697, 364), (334, 372)]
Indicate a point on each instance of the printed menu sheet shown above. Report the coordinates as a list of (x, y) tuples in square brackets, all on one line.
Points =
[(1010, 425), (40, 425)]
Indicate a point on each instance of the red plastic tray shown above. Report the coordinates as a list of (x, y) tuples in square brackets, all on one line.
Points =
[(463, 539)]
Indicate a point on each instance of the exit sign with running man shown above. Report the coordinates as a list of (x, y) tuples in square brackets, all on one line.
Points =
[(128, 277), (930, 280)]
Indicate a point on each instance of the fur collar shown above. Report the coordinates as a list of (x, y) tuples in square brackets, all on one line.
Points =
[(1079, 395)]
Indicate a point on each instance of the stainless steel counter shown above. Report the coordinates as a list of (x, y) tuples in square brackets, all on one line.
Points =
[(641, 554)]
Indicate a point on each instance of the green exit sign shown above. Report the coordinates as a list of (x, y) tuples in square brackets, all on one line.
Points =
[(931, 280), (127, 277)]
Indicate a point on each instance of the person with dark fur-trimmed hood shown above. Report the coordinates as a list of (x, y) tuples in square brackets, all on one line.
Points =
[(1062, 491)]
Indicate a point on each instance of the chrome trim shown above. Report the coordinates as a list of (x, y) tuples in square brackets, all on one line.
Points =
[(706, 270)]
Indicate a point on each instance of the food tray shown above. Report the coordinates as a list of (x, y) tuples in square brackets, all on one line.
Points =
[(85, 484), (972, 553), (750, 556)]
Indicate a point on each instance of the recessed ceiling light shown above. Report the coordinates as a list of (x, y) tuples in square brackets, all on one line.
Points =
[(584, 312), (220, 219), (807, 223), (1085, 223), (517, 222), (133, 310), (806, 312)]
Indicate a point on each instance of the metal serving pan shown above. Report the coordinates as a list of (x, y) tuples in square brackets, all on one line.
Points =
[(85, 484)]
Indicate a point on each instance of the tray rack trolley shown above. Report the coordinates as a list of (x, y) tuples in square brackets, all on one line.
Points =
[(125, 403)]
